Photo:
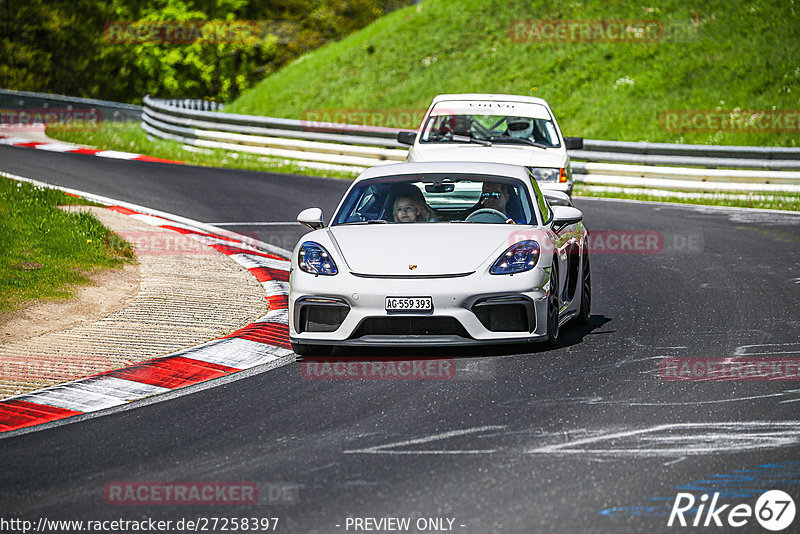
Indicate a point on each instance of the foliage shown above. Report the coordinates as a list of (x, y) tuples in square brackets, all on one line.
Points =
[(60, 46)]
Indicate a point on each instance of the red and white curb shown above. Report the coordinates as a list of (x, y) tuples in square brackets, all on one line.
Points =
[(56, 146), (260, 342)]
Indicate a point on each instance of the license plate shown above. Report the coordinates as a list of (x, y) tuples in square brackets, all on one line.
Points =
[(409, 304)]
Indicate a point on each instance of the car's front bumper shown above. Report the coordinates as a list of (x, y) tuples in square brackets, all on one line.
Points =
[(453, 321)]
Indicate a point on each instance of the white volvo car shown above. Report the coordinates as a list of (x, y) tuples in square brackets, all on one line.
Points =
[(438, 253), (519, 130)]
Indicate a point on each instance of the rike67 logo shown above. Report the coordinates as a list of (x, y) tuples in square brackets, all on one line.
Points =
[(774, 510)]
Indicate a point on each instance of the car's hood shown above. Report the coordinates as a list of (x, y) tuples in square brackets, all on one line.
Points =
[(433, 248), (513, 154)]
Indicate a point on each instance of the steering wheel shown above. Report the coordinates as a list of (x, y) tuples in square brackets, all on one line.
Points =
[(487, 215)]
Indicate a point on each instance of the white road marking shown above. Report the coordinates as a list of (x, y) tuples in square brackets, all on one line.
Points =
[(274, 287), (57, 147), (275, 316), (793, 348), (381, 449), (236, 353), (115, 154), (716, 401), (699, 438), (250, 261), (150, 219), (282, 223), (678, 440)]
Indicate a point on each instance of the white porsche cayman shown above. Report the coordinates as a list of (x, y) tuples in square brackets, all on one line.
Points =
[(439, 253)]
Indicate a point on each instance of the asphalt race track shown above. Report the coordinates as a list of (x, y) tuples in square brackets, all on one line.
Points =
[(589, 437)]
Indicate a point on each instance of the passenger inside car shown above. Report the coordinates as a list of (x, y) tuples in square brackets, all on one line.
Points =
[(410, 205)]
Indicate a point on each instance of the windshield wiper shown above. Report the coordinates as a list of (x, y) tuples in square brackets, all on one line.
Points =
[(373, 221), (468, 139), (518, 140)]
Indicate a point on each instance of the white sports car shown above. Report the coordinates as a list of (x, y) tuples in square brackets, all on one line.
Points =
[(519, 130), (439, 253)]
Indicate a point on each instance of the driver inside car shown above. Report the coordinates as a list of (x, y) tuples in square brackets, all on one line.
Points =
[(456, 125), (496, 196), (519, 127)]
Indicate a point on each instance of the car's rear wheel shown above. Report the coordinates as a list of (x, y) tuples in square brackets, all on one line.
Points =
[(301, 349), (584, 311), (553, 308)]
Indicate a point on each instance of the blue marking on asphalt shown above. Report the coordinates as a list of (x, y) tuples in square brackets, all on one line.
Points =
[(742, 484)]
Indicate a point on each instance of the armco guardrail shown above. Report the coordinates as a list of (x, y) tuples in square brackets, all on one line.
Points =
[(769, 158), (345, 146), (109, 111), (354, 147)]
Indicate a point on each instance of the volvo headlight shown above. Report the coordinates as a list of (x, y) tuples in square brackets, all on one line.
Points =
[(518, 258), (314, 259), (542, 174)]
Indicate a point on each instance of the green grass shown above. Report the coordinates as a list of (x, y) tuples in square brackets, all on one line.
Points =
[(129, 137), (716, 54), (45, 251)]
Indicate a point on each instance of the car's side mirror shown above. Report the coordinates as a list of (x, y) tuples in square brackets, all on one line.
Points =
[(311, 217), (565, 215), (573, 143), (406, 138), (557, 198)]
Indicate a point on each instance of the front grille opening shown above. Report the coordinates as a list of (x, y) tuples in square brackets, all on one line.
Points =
[(322, 317), (505, 316), (410, 326)]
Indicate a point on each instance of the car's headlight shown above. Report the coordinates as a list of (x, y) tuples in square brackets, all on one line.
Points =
[(518, 258), (542, 174), (314, 259)]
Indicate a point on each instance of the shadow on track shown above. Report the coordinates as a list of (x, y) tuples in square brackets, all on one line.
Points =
[(571, 334)]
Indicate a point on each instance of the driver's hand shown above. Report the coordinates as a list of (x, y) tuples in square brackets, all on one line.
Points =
[(510, 221)]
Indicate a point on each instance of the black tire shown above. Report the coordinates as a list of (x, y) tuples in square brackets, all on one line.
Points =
[(585, 310), (302, 349), (553, 306)]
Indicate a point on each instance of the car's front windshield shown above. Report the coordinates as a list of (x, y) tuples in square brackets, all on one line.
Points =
[(437, 198), (527, 125)]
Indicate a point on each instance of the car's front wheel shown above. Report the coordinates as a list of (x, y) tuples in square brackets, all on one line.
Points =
[(553, 309), (301, 349)]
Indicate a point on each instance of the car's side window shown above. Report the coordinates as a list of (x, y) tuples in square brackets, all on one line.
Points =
[(544, 207)]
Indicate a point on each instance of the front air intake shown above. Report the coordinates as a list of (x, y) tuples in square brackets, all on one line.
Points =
[(410, 326), (321, 315), (506, 314)]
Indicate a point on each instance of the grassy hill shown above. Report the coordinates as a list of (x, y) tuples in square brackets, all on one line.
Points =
[(712, 55)]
